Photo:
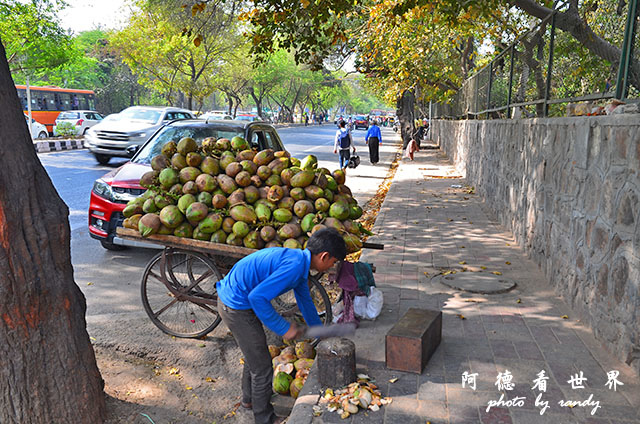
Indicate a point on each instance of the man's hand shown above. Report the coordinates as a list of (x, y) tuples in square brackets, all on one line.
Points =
[(294, 332), (335, 151)]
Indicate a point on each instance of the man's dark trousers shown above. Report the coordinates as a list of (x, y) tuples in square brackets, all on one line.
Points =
[(257, 374), (374, 146)]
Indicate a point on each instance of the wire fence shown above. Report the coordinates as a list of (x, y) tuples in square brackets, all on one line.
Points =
[(546, 68)]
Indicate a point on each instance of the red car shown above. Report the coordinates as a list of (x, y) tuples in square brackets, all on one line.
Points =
[(111, 193), (361, 122)]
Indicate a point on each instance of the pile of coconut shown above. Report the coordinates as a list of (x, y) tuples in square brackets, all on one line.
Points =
[(291, 366)]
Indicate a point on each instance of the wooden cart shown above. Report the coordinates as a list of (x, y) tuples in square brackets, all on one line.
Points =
[(178, 286)]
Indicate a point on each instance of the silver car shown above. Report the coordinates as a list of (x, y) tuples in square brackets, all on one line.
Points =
[(133, 127), (82, 120)]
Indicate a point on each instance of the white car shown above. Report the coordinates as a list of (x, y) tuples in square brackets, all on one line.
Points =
[(133, 127), (82, 120), (215, 116), (37, 129)]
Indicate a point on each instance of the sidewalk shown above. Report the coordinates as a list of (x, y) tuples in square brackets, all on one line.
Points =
[(429, 228)]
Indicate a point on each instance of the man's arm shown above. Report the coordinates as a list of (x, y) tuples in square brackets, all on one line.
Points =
[(306, 305)]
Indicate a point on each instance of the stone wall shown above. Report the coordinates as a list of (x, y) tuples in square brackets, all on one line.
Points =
[(569, 190)]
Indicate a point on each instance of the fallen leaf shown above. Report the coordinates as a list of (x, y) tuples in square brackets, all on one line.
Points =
[(393, 380), (93, 339), (202, 345), (483, 267), (508, 263), (508, 244), (462, 262), (565, 316), (518, 301), (174, 371), (461, 316), (496, 272), (188, 388), (242, 361), (89, 284), (209, 380), (450, 220), (461, 247)]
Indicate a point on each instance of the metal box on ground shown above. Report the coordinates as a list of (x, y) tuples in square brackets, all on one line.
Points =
[(413, 339)]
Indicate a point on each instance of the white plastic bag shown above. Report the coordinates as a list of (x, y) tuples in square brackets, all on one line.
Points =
[(374, 303), (360, 306), (368, 307)]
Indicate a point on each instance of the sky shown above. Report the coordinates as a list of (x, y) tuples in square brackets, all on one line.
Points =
[(84, 15)]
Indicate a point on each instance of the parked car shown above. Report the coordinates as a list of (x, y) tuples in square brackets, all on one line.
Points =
[(37, 129), (247, 117), (132, 128), (82, 120), (216, 116), (361, 121), (112, 191)]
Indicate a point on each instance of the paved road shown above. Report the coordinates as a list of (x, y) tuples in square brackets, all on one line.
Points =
[(115, 276)]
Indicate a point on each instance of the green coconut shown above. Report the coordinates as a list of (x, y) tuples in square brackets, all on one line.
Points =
[(149, 224), (281, 383), (310, 162), (219, 237), (292, 244), (171, 216), (339, 211), (183, 230), (282, 215), (211, 223), (187, 145), (307, 222), (184, 201), (244, 214)]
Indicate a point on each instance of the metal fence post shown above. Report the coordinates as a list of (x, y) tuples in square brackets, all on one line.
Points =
[(622, 82), (547, 89), (489, 86), (513, 48)]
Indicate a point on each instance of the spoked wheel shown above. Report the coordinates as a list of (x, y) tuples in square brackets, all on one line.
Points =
[(179, 293), (286, 305)]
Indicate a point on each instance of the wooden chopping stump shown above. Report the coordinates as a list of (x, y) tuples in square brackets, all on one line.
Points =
[(336, 361)]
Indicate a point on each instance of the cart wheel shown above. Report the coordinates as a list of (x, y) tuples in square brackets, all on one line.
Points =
[(287, 306), (164, 283)]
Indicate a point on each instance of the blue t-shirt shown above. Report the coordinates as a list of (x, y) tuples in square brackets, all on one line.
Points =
[(264, 275), (373, 131)]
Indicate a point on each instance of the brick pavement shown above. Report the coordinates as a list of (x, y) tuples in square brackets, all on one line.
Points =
[(427, 227)]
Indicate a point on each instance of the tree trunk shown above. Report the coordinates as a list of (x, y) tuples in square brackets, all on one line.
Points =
[(405, 113), (258, 101), (48, 371)]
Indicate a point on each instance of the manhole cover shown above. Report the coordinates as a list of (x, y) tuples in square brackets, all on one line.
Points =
[(476, 282)]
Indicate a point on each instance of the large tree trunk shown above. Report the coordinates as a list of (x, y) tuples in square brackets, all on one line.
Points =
[(405, 113), (48, 371)]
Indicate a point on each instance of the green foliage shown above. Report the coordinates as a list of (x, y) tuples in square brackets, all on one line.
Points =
[(32, 36), (66, 129), (166, 61)]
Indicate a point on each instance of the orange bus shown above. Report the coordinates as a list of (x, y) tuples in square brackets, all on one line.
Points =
[(47, 102)]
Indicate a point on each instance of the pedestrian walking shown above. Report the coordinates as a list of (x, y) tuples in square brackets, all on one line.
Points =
[(373, 140), (244, 304), (343, 142)]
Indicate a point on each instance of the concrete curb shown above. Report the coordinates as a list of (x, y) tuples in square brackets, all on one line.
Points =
[(309, 396), (57, 145)]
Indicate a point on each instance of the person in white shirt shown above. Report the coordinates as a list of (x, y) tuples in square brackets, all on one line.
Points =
[(344, 143)]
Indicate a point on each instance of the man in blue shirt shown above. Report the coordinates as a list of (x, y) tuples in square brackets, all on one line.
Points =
[(373, 140), (244, 304)]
